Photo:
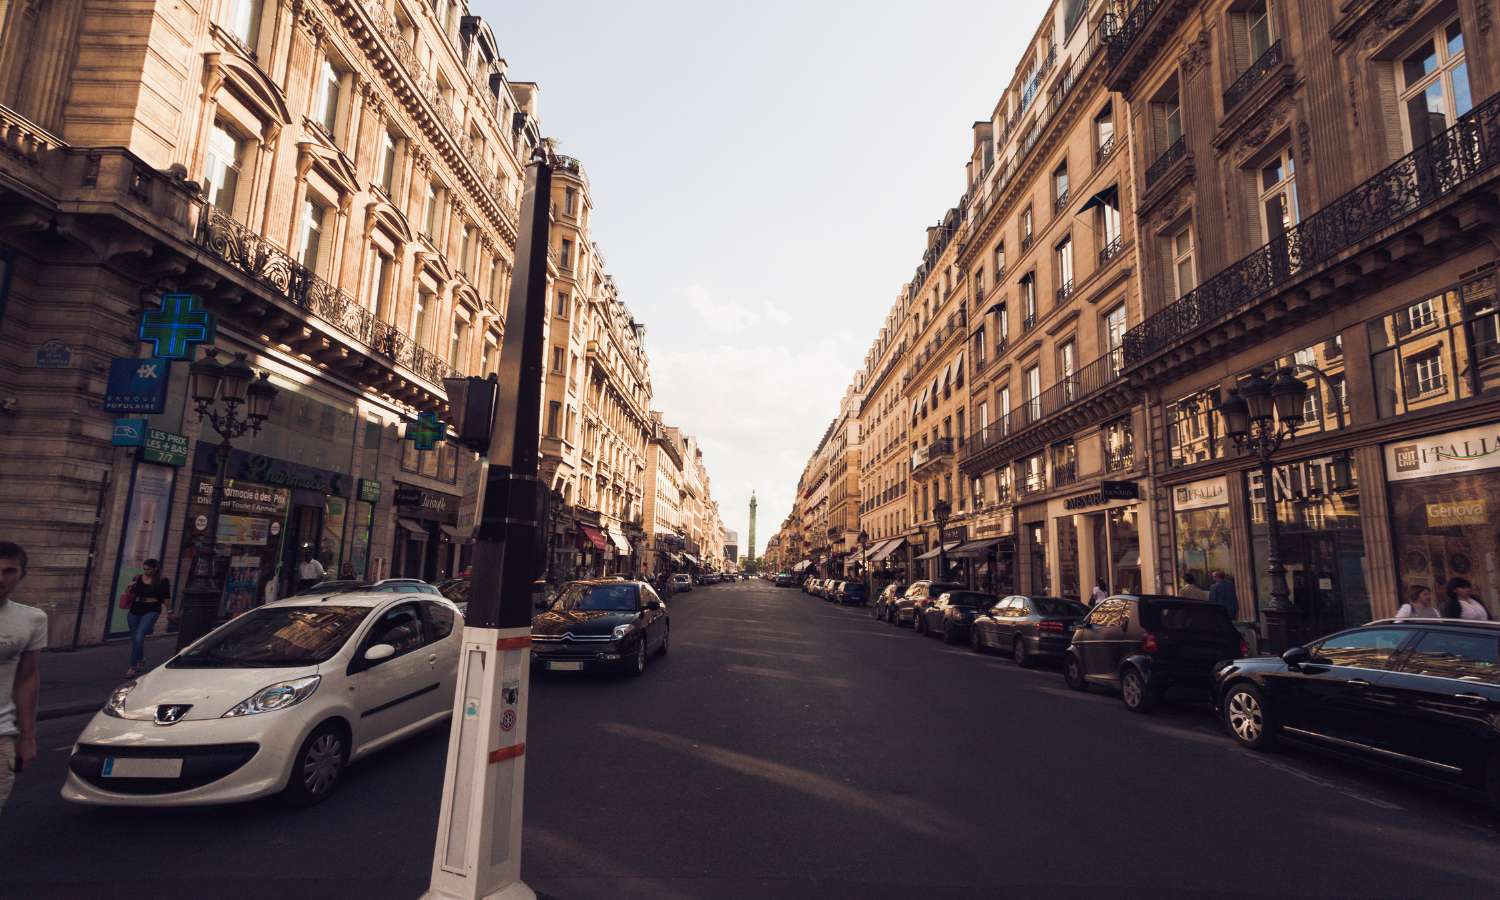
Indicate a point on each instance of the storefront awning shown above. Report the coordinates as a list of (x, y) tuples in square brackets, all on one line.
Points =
[(620, 543), (417, 529), (591, 535), (931, 554), (801, 565), (450, 531), (690, 558), (974, 549), (886, 549)]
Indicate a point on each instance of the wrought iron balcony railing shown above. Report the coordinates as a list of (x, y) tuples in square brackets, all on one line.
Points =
[(274, 268), (1104, 151), (936, 450), (1066, 290), (1252, 76), (1164, 162), (1091, 379), (1429, 173), (1061, 201), (1110, 251), (1026, 240), (1028, 323), (1130, 29)]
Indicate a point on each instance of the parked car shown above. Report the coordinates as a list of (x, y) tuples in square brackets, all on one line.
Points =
[(952, 614), (829, 590), (784, 580), (1419, 697), (808, 585), (921, 594), (279, 700), (1144, 645), (598, 625), (1028, 628), (854, 592), (345, 586), (683, 582), (884, 604)]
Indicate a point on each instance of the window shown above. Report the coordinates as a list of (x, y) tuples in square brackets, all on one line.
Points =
[(1064, 253), (494, 281), (1002, 484), (458, 341), (1064, 463), (1119, 445), (1445, 654), (1442, 348), (377, 283), (491, 354), (430, 212), (570, 201), (979, 284), (1166, 117), (565, 258), (554, 417), (559, 356), (1362, 649), (420, 308), (1434, 85), (1278, 195), (1067, 370), (979, 348), (1004, 403), (999, 262), (1033, 380), (327, 110), (561, 309), (226, 156), (1172, 110), (465, 248), (1026, 229), (1033, 474), (1114, 337), (1002, 327), (387, 163), (244, 22), (1028, 302), (1184, 277), (1104, 133), (1192, 428), (311, 226), (1060, 186)]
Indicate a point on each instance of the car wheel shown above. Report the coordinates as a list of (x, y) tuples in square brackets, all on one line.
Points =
[(976, 642), (638, 665), (948, 637), (1247, 717), (1073, 673), (318, 767), (918, 623), (1133, 690), (1019, 653), (662, 650)]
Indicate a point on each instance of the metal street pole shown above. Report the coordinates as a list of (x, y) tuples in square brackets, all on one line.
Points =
[(478, 853)]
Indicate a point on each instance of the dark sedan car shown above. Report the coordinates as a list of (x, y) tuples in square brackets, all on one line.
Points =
[(885, 603), (920, 595), (784, 580), (1144, 645), (600, 624), (952, 614), (1417, 697), (1028, 628)]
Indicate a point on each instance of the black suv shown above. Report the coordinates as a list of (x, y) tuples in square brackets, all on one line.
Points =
[(1144, 645), (1416, 696)]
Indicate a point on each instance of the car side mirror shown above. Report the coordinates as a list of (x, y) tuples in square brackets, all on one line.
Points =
[(653, 604), (1297, 656), (379, 652), (542, 604)]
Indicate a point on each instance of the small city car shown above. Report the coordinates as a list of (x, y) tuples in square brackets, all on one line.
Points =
[(1420, 698), (784, 580), (953, 614), (279, 700), (1144, 645), (854, 592), (1028, 628), (885, 603), (683, 582), (600, 625)]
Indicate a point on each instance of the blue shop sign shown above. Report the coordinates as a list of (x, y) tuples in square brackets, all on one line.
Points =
[(270, 470), (128, 433), (137, 385)]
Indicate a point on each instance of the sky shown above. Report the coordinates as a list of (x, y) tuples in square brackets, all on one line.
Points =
[(763, 176)]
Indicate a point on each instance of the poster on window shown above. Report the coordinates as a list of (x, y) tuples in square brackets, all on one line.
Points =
[(144, 536)]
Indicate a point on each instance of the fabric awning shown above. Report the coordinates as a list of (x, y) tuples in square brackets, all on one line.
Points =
[(1107, 195), (801, 565), (417, 529), (946, 548), (885, 549), (591, 535), (974, 549), (451, 531), (690, 558), (620, 543)]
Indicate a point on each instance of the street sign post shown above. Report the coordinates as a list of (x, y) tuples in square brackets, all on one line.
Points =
[(478, 853)]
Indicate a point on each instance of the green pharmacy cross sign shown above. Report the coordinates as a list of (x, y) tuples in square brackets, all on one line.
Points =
[(426, 431), (179, 326)]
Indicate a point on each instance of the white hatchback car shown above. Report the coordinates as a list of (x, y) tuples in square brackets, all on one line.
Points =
[(276, 701)]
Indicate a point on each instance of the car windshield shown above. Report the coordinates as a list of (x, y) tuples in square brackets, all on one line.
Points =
[(1054, 606), (277, 636), (1207, 618), (597, 597), (970, 598), (334, 587)]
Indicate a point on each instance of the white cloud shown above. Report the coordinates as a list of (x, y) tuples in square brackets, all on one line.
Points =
[(728, 316), (776, 314)]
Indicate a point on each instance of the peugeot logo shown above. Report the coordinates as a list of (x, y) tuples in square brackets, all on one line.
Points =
[(167, 714)]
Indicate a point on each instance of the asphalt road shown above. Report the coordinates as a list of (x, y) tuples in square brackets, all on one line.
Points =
[(788, 748)]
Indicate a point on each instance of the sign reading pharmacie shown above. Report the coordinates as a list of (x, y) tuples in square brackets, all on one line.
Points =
[(270, 470), (1453, 453)]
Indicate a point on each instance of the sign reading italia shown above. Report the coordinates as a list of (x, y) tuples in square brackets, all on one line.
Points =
[(137, 385), (1470, 450)]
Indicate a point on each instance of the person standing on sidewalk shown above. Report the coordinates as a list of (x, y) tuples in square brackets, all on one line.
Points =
[(152, 590), (1190, 589), (1222, 593), (310, 572), (23, 636)]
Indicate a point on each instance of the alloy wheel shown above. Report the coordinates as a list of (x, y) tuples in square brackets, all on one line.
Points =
[(1246, 718), (321, 765)]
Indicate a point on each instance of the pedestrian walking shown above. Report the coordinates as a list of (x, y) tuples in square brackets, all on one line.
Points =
[(1190, 589), (309, 572), (1101, 593), (23, 636), (1222, 593), (1419, 605), (152, 592), (1461, 602)]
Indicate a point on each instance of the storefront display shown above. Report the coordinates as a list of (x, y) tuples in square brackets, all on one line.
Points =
[(252, 528), (144, 535), (1445, 510), (1200, 520)]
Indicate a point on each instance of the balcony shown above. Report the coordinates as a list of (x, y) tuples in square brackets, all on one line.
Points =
[(1090, 380), (938, 449), (1105, 150), (1026, 242), (1164, 162), (1028, 323), (1432, 172), (1110, 251), (1060, 202), (1253, 76), (1065, 291), (276, 270)]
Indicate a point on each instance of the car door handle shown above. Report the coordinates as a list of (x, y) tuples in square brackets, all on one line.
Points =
[(432, 657), (1359, 682), (1470, 698)]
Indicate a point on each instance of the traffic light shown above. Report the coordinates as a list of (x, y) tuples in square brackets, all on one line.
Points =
[(471, 410)]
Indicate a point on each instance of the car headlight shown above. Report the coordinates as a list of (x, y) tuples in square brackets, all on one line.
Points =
[(115, 706), (277, 696), (622, 630)]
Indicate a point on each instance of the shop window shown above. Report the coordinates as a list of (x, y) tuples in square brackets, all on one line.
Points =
[(1201, 538), (1119, 445), (1439, 349), (1193, 429)]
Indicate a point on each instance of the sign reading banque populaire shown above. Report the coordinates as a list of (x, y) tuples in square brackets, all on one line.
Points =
[(269, 470), (137, 385), (1470, 450)]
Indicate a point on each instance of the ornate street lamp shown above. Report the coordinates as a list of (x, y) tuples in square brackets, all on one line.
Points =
[(941, 510), (1259, 416), (234, 384)]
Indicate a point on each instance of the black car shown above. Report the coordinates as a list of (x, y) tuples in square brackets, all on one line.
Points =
[(952, 614), (920, 595), (784, 580), (852, 592), (1028, 628), (885, 603), (600, 624), (1418, 697), (1144, 645)]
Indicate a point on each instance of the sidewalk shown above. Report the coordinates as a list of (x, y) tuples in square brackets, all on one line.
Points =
[(79, 681)]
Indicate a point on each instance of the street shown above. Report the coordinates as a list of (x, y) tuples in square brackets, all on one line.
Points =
[(790, 748)]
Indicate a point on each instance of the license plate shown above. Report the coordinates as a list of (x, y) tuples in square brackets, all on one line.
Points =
[(565, 666), (135, 767)]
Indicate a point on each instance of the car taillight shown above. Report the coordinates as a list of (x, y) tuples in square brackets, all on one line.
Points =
[(1244, 649), (1051, 626), (1149, 644)]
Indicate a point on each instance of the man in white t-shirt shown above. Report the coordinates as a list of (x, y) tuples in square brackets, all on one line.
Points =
[(309, 572), (23, 635)]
